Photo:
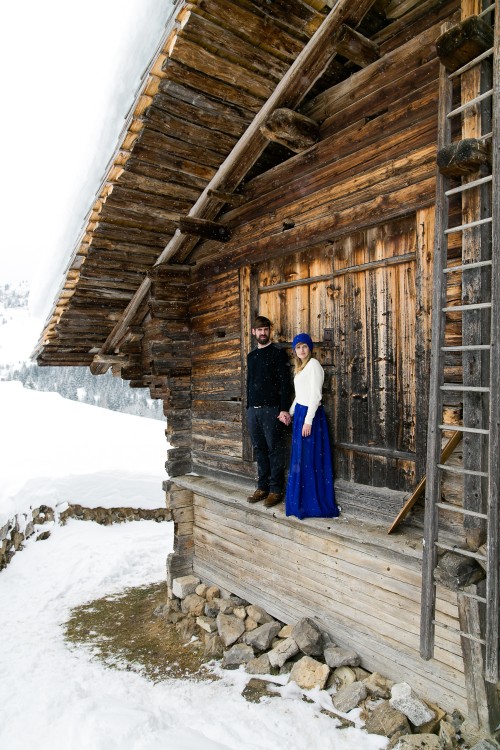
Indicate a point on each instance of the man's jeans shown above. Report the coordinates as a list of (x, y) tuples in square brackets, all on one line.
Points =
[(269, 442)]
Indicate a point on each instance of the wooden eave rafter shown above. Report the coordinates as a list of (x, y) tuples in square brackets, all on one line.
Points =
[(290, 91)]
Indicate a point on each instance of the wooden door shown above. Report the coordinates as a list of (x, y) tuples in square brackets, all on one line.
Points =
[(362, 301)]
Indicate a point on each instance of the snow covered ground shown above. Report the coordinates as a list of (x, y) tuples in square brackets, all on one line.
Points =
[(54, 450), (57, 697), (54, 698)]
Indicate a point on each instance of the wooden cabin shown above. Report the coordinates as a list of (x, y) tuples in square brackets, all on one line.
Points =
[(330, 165)]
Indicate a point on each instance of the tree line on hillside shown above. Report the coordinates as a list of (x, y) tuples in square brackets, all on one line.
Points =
[(78, 384), (75, 383)]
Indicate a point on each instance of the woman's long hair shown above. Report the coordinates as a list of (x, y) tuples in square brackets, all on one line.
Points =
[(301, 363)]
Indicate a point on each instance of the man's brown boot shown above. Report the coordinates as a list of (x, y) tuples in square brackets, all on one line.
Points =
[(273, 499), (257, 496)]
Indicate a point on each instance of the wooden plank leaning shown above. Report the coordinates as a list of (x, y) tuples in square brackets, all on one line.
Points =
[(419, 489)]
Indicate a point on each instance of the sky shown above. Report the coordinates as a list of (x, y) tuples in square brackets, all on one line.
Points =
[(69, 72)]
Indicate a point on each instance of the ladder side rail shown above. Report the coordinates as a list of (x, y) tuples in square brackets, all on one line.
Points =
[(492, 582), (433, 484), (476, 247)]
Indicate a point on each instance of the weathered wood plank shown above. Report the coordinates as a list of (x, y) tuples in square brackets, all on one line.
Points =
[(375, 656), (338, 559), (387, 70), (321, 588), (348, 620)]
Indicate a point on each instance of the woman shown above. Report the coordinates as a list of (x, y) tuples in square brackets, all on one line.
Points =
[(310, 492)]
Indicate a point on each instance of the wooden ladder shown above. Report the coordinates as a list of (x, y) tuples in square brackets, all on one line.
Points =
[(478, 272)]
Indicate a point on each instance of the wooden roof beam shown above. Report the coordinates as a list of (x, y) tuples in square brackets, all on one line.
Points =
[(300, 77)]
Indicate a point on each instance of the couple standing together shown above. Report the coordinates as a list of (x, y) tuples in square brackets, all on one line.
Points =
[(310, 492)]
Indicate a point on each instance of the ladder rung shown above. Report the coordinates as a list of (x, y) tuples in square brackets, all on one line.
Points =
[(468, 226), (469, 595), (470, 103), (487, 10), (467, 266), (464, 511), (469, 185), (459, 470), (485, 137), (460, 428), (460, 551), (464, 388), (472, 63), (460, 632), (460, 308), (466, 348)]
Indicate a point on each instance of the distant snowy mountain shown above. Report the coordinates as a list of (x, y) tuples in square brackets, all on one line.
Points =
[(18, 337)]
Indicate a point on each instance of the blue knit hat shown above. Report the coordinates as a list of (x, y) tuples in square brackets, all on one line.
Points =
[(302, 338)]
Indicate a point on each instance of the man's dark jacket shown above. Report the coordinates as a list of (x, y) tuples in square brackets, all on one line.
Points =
[(268, 378)]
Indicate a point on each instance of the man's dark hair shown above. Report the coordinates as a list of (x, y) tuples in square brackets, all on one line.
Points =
[(261, 322)]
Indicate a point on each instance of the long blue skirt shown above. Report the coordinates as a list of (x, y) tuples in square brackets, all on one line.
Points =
[(310, 492)]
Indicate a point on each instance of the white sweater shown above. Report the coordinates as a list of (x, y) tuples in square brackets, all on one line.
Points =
[(308, 388)]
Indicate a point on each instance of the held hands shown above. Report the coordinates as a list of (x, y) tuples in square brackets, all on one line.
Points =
[(285, 417)]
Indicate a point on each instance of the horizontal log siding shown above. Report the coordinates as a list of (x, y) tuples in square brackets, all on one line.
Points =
[(366, 594), (375, 161), (216, 374)]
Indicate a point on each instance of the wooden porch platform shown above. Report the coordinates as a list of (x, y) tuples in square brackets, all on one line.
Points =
[(361, 585)]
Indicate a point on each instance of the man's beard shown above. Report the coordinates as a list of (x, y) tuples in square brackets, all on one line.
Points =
[(263, 339)]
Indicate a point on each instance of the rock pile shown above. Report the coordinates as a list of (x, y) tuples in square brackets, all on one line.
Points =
[(245, 635)]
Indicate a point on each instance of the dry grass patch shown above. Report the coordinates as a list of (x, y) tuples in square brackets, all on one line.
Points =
[(122, 631)]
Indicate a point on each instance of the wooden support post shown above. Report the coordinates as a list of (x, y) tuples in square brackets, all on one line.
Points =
[(246, 344), (482, 697), (180, 503), (293, 130), (357, 48), (209, 230)]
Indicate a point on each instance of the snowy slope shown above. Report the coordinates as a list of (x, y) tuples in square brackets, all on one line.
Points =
[(54, 450)]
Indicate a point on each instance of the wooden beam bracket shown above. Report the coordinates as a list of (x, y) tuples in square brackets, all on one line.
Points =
[(233, 199), (464, 42), (464, 157), (293, 130)]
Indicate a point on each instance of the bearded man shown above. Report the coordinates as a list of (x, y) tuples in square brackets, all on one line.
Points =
[(268, 400)]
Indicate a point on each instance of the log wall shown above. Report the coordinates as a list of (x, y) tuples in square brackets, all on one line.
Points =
[(217, 375), (337, 240)]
